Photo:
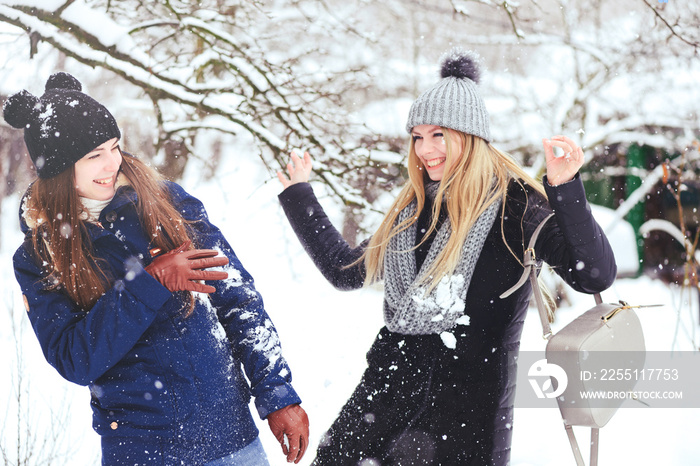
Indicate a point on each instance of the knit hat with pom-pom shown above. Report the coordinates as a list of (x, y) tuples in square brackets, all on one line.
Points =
[(454, 102), (61, 126)]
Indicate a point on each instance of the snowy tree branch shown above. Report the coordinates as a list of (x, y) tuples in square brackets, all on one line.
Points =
[(242, 88), (508, 7)]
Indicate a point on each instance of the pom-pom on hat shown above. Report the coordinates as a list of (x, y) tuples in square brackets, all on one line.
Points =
[(61, 126), (454, 102)]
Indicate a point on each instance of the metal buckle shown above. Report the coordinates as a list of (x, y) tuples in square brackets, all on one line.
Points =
[(625, 305)]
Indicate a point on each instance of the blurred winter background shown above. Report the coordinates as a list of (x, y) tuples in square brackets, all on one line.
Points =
[(216, 93)]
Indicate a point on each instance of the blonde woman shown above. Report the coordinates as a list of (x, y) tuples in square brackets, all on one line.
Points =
[(108, 269), (439, 386)]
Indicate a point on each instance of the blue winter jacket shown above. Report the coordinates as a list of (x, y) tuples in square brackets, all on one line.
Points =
[(170, 381)]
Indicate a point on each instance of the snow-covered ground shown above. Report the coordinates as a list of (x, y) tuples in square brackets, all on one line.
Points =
[(325, 334)]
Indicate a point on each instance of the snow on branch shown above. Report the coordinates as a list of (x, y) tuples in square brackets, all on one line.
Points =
[(627, 130), (91, 51), (648, 183), (508, 7), (220, 81)]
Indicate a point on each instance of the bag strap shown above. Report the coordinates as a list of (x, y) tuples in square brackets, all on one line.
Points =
[(595, 435), (530, 272), (530, 268)]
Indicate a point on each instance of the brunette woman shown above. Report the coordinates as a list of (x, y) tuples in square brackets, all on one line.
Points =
[(115, 272)]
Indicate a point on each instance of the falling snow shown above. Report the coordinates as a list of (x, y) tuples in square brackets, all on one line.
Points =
[(310, 314)]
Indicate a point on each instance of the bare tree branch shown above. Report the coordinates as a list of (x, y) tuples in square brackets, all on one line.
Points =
[(673, 27), (507, 7)]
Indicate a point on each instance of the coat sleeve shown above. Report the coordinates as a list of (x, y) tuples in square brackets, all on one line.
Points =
[(241, 312), (574, 244), (84, 345), (321, 240)]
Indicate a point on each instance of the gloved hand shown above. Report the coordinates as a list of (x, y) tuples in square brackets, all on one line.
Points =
[(293, 422), (179, 269)]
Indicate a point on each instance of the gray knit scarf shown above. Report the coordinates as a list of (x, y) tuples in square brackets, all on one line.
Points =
[(407, 307)]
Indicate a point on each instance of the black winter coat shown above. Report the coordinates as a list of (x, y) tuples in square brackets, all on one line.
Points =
[(420, 402)]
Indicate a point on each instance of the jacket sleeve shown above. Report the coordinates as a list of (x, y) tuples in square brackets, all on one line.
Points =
[(574, 245), (84, 345), (241, 312), (321, 240)]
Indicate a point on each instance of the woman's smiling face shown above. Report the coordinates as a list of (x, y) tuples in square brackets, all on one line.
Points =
[(96, 173), (430, 147)]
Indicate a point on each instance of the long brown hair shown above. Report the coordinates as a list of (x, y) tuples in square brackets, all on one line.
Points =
[(473, 180), (60, 238)]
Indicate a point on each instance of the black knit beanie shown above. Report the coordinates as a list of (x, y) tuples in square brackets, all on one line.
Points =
[(61, 126)]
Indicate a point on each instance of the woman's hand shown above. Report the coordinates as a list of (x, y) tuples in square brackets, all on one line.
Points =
[(290, 426), (299, 171), (564, 168), (182, 269)]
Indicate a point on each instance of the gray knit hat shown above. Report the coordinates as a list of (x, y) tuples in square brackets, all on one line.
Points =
[(454, 102)]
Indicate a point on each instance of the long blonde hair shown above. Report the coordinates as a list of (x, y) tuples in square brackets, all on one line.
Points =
[(60, 239), (472, 181)]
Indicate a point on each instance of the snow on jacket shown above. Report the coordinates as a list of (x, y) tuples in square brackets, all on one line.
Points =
[(154, 374), (420, 400)]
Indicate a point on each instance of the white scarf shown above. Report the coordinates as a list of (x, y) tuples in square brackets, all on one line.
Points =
[(92, 208)]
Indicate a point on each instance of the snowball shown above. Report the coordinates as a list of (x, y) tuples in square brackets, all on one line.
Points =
[(449, 340), (464, 320)]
